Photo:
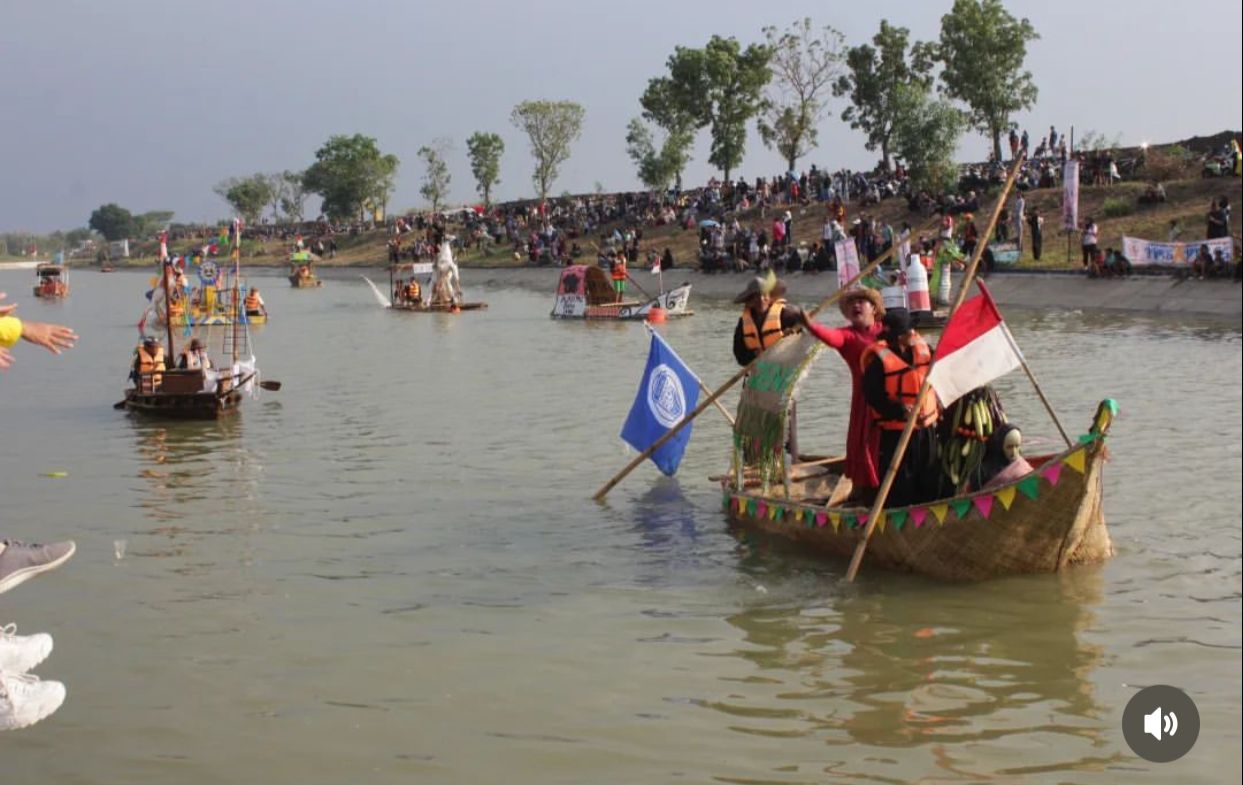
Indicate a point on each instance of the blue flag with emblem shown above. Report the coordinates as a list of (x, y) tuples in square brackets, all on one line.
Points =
[(667, 393)]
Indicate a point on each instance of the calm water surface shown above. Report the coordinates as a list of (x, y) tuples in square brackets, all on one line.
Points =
[(391, 572)]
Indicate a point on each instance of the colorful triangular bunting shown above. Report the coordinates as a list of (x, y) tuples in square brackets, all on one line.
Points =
[(898, 518), (1052, 472), (1075, 460), (821, 519), (835, 518), (918, 514), (1030, 486), (961, 507), (939, 511), (983, 503), (1005, 496)]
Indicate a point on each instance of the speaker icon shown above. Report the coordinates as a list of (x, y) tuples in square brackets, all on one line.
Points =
[(1155, 722)]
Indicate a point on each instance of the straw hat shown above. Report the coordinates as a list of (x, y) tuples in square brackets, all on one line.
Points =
[(864, 293), (759, 285)]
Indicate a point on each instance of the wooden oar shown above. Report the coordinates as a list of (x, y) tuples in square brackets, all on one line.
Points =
[(882, 495), (706, 402)]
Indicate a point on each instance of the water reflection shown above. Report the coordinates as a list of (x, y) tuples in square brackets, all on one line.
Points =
[(941, 676)]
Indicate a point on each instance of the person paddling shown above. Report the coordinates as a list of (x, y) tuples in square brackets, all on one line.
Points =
[(766, 317)]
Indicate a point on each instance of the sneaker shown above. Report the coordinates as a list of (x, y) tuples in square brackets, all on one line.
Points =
[(20, 561), (24, 700), (20, 653)]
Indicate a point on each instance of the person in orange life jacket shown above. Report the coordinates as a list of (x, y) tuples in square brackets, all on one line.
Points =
[(413, 292), (766, 317), (149, 362), (194, 357), (894, 369), (619, 275), (254, 304)]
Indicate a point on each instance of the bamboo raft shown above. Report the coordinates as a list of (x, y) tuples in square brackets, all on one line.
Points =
[(1044, 522)]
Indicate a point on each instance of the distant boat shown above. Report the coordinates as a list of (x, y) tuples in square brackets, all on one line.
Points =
[(428, 300), (586, 292), (53, 281), (302, 270)]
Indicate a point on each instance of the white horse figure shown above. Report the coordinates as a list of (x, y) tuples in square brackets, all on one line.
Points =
[(446, 283)]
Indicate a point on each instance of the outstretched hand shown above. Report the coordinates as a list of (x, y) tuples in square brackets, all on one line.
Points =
[(5, 310), (53, 337), (6, 359)]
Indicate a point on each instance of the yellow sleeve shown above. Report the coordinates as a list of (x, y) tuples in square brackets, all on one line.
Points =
[(10, 330)]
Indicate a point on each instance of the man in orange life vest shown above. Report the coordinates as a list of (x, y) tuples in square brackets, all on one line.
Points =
[(894, 369), (766, 317)]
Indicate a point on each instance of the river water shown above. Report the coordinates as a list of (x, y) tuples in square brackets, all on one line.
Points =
[(391, 571)]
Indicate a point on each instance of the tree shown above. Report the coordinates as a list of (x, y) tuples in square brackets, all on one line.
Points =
[(658, 168), (485, 151), (925, 137), (351, 174), (982, 48), (551, 126), (875, 73), (113, 221), (247, 195), (719, 87), (804, 65), (436, 180), (293, 195), (152, 221)]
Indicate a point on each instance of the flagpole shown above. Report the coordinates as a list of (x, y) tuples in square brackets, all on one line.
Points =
[(882, 495), (704, 404)]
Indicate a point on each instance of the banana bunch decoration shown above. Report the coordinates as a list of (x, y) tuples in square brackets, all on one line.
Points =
[(966, 428)]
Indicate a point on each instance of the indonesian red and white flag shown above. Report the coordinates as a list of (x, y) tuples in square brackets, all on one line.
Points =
[(975, 348)]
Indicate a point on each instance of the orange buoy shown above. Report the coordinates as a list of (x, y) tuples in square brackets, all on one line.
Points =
[(656, 315)]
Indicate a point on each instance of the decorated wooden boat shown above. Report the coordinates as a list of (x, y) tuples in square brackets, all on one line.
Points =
[(302, 271), (188, 395), (53, 281), (430, 300), (586, 292), (209, 304), (204, 393), (1045, 521)]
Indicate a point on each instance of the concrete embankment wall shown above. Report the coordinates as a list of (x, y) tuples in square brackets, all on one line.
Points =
[(1222, 300)]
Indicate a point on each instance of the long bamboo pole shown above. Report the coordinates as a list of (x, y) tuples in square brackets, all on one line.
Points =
[(705, 403), (882, 495)]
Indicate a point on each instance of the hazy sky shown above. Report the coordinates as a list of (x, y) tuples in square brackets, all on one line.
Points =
[(149, 103)]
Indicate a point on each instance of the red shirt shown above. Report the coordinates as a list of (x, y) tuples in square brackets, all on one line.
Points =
[(862, 437)]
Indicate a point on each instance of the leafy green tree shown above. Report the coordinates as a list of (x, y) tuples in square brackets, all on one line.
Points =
[(874, 74), (247, 195), (75, 237), (153, 221), (485, 151), (925, 137), (805, 63), (982, 48), (551, 126), (436, 179), (658, 168), (293, 195), (112, 221), (719, 87), (351, 174)]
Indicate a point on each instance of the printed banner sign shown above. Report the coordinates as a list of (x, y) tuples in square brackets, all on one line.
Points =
[(1070, 196), (847, 261), (1148, 252)]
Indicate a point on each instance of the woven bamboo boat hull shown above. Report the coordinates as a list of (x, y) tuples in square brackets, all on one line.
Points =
[(1045, 522), (299, 282)]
